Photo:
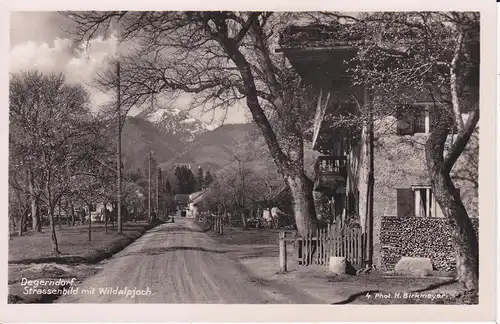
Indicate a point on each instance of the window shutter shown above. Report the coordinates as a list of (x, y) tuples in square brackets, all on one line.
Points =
[(405, 202)]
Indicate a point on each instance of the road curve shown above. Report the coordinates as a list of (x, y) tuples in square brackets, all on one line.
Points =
[(179, 263)]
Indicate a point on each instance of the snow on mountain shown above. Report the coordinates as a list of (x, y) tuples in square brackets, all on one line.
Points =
[(177, 122)]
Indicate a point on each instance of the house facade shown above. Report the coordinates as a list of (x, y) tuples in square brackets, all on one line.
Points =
[(182, 204), (195, 204), (403, 213)]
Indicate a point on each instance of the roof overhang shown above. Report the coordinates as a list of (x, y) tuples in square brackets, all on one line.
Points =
[(322, 67)]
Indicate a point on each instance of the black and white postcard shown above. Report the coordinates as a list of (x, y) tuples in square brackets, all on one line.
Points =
[(194, 159)]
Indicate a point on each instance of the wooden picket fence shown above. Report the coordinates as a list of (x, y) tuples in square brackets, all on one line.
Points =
[(317, 246)]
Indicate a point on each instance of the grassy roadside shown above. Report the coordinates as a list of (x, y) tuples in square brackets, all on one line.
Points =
[(30, 256)]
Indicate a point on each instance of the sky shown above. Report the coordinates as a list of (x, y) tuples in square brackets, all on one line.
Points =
[(40, 40)]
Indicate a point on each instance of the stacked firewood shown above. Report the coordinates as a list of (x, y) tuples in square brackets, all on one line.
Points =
[(418, 237)]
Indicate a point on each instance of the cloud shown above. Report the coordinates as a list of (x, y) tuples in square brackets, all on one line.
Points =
[(79, 64), (41, 56), (91, 57)]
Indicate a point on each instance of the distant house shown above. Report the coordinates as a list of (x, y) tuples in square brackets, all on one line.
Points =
[(182, 201), (196, 200), (98, 212), (279, 203)]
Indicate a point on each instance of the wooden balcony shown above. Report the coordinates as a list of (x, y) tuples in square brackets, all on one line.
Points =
[(330, 174)]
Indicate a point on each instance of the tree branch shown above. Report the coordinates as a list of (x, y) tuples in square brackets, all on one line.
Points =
[(462, 140), (244, 30), (453, 83)]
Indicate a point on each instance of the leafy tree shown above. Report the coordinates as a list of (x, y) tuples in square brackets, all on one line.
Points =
[(185, 180), (208, 179), (168, 187)]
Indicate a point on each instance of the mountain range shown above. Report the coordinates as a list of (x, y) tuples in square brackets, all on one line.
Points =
[(176, 138)]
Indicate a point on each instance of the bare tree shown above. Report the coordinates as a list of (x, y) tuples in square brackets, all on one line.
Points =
[(51, 119), (221, 58)]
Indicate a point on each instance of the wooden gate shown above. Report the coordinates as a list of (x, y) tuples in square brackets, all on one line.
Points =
[(316, 247)]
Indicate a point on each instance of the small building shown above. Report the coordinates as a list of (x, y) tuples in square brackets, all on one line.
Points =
[(182, 202), (196, 203), (98, 212), (277, 211)]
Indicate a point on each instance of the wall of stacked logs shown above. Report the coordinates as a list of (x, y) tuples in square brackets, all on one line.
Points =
[(418, 237)]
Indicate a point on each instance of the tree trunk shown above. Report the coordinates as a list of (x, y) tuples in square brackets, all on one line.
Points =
[(448, 198), (301, 189), (50, 208), (90, 224), (271, 219), (55, 243), (72, 215), (66, 212), (35, 216), (106, 218), (244, 220), (22, 221), (115, 211), (463, 235), (12, 226), (59, 214)]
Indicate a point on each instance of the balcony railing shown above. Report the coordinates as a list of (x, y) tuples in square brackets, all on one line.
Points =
[(330, 165), (330, 173)]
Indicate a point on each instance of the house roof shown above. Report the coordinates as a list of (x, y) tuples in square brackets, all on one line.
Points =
[(320, 53), (181, 198), (319, 35), (198, 196)]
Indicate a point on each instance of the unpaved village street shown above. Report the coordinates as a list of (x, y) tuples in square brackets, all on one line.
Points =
[(178, 263)]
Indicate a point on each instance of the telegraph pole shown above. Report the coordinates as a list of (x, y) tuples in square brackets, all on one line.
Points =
[(157, 191), (370, 182), (149, 186), (119, 153)]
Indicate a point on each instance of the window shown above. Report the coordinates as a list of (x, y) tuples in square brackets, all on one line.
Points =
[(417, 201), (424, 205), (414, 119), (421, 120)]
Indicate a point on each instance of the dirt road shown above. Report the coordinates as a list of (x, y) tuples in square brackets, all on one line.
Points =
[(178, 263)]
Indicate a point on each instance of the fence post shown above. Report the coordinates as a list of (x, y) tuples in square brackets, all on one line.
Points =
[(282, 244)]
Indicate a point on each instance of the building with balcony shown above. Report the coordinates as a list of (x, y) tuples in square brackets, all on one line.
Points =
[(403, 200)]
